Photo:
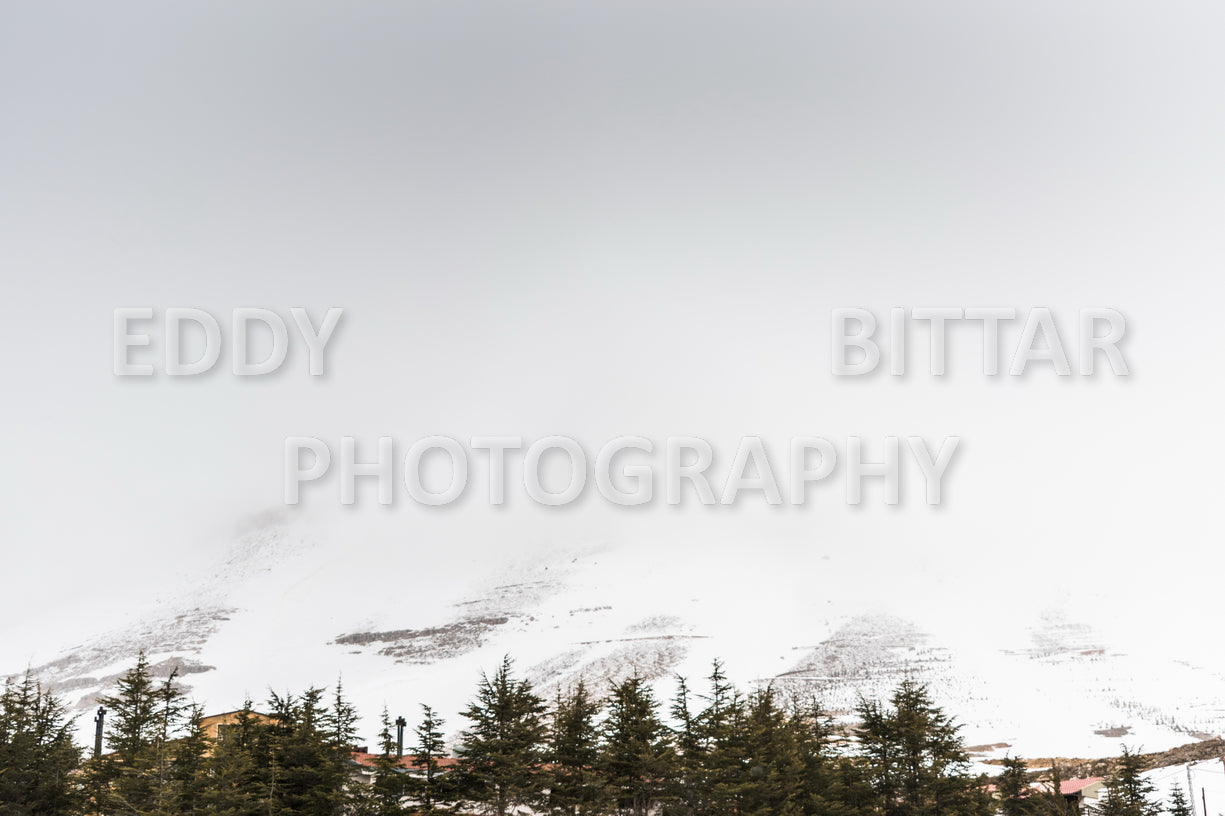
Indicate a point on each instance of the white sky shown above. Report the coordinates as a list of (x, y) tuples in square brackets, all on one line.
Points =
[(598, 220)]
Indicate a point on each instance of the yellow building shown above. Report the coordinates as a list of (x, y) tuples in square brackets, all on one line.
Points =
[(215, 725)]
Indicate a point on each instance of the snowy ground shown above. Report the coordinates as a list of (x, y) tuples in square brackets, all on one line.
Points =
[(291, 606), (1205, 780)]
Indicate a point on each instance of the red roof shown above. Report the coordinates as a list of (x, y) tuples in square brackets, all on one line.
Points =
[(1067, 787), (405, 761), (1070, 786)]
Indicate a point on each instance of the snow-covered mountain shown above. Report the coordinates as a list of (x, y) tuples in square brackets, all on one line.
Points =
[(294, 604)]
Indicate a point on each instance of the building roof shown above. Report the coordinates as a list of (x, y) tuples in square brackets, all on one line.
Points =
[(406, 761), (1067, 787), (1070, 786)]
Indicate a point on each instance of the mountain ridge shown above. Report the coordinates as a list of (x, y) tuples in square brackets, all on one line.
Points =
[(289, 605)]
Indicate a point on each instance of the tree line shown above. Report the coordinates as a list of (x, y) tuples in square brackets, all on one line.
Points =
[(713, 752)]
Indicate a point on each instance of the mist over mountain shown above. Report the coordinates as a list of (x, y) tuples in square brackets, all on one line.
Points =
[(294, 603)]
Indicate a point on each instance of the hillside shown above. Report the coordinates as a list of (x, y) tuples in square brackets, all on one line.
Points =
[(293, 604), (1210, 750)]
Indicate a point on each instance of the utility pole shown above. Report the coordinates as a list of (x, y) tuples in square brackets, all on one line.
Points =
[(99, 719), (1191, 789), (400, 723)]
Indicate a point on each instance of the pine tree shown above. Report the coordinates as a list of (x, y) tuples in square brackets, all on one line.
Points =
[(340, 723), (576, 787), (637, 757), (771, 777), (146, 718), (1178, 804), (500, 751), (744, 755), (833, 784), (189, 775), (1128, 793), (37, 753), (305, 772), (134, 714), (164, 752), (1052, 801), (915, 758), (687, 784), (233, 782), (1013, 788), (720, 731), (389, 788), (431, 789)]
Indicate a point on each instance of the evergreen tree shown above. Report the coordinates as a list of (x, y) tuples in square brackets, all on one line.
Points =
[(37, 753), (719, 730), (163, 752), (915, 758), (189, 778), (1051, 802), (305, 771), (430, 789), (690, 748), (134, 717), (1178, 804), (1013, 788), (757, 756), (340, 722), (834, 785), (878, 746), (743, 755), (637, 757), (1128, 793), (389, 787), (576, 788), (146, 718), (341, 725), (234, 785), (771, 775), (500, 753)]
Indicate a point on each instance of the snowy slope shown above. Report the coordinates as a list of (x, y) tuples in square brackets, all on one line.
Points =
[(294, 604), (1205, 781)]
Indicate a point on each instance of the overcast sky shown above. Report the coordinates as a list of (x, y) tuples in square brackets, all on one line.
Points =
[(605, 219)]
